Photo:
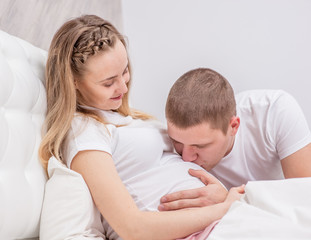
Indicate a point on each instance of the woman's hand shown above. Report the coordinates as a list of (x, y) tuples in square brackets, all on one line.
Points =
[(235, 193)]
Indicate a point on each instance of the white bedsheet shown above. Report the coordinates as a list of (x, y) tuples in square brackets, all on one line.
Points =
[(269, 210)]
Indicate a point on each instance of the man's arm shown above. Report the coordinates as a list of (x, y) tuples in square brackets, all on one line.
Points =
[(214, 192), (298, 164)]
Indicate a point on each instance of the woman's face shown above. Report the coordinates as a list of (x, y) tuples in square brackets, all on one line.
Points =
[(105, 81)]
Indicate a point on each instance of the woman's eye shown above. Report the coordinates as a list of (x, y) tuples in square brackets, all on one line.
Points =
[(108, 84)]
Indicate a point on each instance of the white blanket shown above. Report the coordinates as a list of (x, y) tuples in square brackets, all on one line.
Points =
[(269, 210)]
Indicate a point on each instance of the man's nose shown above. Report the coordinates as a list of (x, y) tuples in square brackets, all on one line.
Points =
[(189, 154)]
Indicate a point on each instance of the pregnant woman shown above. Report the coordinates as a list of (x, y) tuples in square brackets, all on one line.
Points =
[(124, 156)]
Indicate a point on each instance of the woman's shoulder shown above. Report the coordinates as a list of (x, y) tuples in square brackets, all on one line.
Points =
[(80, 119), (86, 133), (86, 124)]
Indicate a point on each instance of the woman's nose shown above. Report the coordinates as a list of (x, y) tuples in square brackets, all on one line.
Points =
[(123, 85)]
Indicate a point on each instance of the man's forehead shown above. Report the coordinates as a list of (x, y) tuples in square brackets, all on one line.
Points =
[(195, 135), (197, 127)]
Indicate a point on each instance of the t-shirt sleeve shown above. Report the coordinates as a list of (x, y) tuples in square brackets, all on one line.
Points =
[(288, 125), (86, 134)]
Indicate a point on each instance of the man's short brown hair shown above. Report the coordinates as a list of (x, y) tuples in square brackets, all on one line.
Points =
[(198, 96)]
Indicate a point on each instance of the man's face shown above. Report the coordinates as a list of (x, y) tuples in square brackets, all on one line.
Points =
[(201, 144)]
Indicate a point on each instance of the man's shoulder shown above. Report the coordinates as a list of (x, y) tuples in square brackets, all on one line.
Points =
[(260, 97), (260, 93)]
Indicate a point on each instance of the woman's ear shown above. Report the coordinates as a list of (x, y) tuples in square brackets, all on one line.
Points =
[(75, 83), (235, 124)]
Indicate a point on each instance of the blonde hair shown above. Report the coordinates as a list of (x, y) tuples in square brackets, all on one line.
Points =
[(198, 96), (76, 41)]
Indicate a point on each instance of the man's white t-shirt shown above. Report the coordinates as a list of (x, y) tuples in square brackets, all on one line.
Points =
[(142, 153), (272, 127)]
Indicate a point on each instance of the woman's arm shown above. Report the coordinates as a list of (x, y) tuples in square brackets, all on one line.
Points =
[(119, 209)]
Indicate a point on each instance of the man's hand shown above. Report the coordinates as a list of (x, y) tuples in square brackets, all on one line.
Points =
[(214, 192)]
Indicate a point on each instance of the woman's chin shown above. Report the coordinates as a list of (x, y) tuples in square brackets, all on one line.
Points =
[(117, 106)]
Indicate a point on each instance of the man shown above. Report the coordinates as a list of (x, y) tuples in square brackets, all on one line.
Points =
[(257, 135)]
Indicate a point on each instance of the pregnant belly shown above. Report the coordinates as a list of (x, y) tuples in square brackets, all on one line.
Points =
[(169, 176)]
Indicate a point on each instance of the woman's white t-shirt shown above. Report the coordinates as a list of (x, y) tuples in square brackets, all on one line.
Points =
[(141, 151)]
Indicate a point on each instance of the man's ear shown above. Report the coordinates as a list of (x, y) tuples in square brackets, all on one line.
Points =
[(234, 124)]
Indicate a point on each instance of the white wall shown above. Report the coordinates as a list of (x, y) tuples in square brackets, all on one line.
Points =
[(37, 21), (254, 44)]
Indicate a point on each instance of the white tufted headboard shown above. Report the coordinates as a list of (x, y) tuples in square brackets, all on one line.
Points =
[(22, 109)]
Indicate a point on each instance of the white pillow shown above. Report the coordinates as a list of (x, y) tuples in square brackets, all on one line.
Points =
[(68, 210)]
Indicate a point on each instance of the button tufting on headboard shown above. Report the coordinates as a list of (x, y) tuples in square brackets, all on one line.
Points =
[(22, 112)]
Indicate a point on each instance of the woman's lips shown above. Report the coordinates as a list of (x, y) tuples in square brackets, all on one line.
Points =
[(118, 97)]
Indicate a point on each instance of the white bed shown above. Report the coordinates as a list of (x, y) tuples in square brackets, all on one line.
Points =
[(22, 109), (269, 210)]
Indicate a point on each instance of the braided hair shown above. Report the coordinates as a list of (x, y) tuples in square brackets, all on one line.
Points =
[(76, 41)]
